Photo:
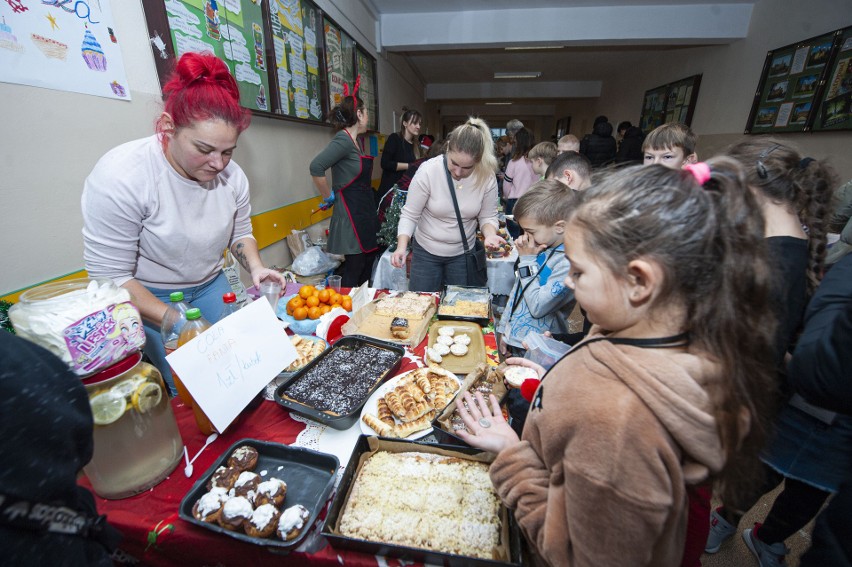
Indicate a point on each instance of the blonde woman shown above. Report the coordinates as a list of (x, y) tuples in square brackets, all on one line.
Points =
[(466, 170)]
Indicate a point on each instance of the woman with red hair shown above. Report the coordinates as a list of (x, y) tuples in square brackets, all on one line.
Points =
[(159, 212)]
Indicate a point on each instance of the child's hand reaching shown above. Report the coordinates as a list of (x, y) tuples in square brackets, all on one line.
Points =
[(526, 246), (486, 428)]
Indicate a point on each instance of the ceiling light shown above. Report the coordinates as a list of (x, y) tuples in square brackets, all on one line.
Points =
[(498, 103), (523, 47), (518, 75)]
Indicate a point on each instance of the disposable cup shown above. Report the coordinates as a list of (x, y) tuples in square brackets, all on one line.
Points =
[(271, 290), (334, 282)]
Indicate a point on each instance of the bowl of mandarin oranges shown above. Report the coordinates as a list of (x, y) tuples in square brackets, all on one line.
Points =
[(302, 310)]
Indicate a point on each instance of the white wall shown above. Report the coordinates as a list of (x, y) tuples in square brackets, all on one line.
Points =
[(52, 139)]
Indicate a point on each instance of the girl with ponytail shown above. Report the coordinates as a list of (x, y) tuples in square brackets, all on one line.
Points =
[(159, 212), (466, 174), (669, 387), (810, 448)]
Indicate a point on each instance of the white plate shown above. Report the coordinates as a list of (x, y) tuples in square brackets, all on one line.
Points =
[(373, 402)]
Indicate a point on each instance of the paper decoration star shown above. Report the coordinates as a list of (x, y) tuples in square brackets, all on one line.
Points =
[(52, 20)]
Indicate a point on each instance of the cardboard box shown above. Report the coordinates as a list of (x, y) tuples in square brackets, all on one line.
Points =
[(509, 552), (367, 322)]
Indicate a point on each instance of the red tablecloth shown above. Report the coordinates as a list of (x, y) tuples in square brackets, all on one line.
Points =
[(153, 533)]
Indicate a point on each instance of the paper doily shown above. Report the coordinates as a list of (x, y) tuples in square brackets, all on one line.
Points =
[(309, 437)]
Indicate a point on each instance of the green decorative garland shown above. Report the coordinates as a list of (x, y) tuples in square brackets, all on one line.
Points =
[(5, 322), (387, 232)]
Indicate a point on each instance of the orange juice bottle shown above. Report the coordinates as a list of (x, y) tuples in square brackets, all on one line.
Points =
[(195, 325)]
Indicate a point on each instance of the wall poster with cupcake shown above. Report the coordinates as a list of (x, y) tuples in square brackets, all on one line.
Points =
[(67, 46)]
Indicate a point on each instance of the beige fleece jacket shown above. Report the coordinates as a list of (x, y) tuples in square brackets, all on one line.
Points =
[(613, 437)]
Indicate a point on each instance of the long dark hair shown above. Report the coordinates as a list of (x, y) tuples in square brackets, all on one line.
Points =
[(411, 115), (709, 243), (523, 142), (805, 184)]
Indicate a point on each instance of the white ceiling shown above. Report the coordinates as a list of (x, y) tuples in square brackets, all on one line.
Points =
[(456, 46)]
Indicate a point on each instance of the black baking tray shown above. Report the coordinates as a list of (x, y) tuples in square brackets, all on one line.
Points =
[(484, 321), (365, 444), (328, 418), (309, 475)]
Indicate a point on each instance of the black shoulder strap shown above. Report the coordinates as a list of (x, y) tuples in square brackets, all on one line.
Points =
[(456, 205)]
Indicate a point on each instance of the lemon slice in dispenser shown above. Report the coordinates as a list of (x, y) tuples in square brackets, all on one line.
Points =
[(146, 397), (107, 407)]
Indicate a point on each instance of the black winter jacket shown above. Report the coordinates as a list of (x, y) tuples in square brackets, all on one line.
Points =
[(599, 146)]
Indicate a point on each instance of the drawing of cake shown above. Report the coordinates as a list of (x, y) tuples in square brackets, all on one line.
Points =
[(118, 89), (7, 40), (92, 53), (211, 15), (50, 47)]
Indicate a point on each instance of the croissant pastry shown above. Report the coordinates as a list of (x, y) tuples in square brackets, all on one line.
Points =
[(417, 411), (395, 404), (378, 425), (408, 401), (423, 383), (384, 413), (415, 392), (423, 422)]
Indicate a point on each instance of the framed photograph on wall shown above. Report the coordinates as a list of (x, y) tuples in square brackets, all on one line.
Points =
[(673, 102), (792, 87)]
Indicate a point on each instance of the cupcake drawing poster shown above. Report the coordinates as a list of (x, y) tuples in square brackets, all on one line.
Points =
[(66, 46)]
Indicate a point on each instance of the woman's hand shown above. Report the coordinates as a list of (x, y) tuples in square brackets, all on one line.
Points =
[(493, 241), (486, 428), (401, 253), (398, 258), (260, 274), (518, 361), (526, 246)]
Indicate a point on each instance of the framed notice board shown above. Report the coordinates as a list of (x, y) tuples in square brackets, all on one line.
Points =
[(280, 52), (791, 93), (366, 66), (835, 109), (297, 54), (673, 102)]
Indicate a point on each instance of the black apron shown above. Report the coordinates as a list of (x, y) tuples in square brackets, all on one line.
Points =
[(360, 204)]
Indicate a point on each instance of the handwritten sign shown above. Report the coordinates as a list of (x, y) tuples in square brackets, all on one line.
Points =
[(228, 364)]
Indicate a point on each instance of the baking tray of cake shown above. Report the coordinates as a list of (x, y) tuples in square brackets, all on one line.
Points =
[(309, 476), (507, 551), (465, 303), (333, 387)]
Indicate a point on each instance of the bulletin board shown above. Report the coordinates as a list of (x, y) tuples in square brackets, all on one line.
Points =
[(805, 86), (281, 52), (297, 69), (673, 102), (835, 110), (367, 91), (340, 67)]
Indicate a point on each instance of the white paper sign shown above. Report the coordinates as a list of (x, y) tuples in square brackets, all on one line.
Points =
[(228, 364)]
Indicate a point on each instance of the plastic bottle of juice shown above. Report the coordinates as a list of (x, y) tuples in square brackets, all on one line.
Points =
[(232, 272), (231, 305), (195, 325), (173, 321)]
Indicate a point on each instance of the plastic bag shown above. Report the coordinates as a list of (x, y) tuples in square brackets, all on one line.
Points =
[(313, 261)]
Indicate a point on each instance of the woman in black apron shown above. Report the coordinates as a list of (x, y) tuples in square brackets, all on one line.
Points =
[(354, 223)]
